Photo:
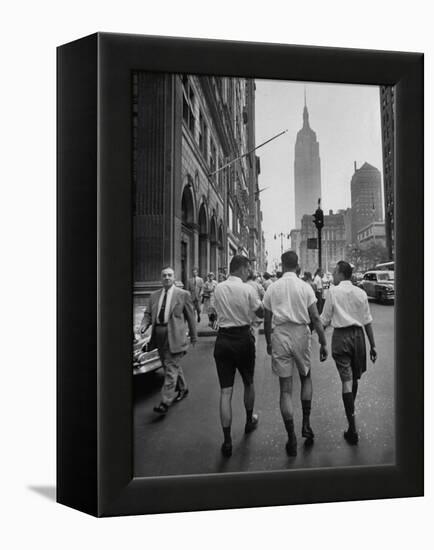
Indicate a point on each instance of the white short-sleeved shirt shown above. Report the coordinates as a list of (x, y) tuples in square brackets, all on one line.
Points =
[(235, 303), (346, 305), (289, 299)]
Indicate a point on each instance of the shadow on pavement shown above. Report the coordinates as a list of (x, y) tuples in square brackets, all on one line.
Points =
[(46, 491)]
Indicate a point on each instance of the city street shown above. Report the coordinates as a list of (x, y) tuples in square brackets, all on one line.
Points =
[(187, 440)]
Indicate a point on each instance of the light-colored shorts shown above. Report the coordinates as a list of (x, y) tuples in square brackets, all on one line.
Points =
[(291, 347)]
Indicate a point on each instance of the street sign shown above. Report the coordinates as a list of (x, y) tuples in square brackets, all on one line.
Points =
[(312, 244)]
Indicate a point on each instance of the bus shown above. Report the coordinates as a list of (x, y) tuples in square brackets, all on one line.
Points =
[(385, 266)]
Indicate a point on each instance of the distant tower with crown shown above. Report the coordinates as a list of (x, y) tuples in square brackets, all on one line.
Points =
[(307, 170)]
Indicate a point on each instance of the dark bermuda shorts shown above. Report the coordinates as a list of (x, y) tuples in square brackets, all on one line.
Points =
[(234, 350), (349, 352)]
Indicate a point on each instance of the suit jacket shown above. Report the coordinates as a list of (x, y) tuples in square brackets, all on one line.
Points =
[(181, 311), (195, 291)]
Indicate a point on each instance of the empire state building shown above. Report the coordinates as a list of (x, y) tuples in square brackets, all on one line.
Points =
[(307, 170)]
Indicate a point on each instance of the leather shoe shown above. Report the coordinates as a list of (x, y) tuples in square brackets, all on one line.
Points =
[(226, 449), (162, 408), (181, 394), (307, 432), (251, 424), (291, 446), (351, 437)]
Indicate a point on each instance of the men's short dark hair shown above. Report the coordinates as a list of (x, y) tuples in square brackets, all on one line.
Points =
[(266, 276), (289, 259), (237, 262), (345, 268)]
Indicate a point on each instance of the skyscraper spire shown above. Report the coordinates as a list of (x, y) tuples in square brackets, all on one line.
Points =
[(305, 112)]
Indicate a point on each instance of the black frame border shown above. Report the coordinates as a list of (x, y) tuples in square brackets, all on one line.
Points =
[(108, 480)]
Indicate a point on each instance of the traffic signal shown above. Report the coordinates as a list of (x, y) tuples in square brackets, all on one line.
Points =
[(318, 218)]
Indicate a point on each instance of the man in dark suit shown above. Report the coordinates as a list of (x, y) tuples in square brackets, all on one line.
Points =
[(168, 311), (195, 286)]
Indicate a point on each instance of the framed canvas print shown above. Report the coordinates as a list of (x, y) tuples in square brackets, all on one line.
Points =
[(240, 288)]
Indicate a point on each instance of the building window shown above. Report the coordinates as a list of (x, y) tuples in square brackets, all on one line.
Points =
[(212, 156), (231, 217), (203, 135), (188, 104), (220, 175)]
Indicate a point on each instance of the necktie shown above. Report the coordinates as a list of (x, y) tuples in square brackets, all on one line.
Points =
[(163, 307)]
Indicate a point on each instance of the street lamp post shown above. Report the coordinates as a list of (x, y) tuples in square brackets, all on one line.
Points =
[(318, 220), (281, 235)]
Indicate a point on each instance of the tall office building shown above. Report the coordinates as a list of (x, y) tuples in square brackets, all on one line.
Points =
[(307, 170), (366, 203)]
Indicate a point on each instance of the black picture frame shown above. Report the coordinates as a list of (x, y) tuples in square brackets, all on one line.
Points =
[(94, 374)]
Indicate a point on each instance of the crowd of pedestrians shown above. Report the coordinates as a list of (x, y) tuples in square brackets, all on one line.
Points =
[(291, 308)]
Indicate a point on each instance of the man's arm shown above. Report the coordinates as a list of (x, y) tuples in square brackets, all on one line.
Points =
[(314, 317), (370, 334), (268, 317), (260, 312), (190, 318), (255, 303), (327, 312)]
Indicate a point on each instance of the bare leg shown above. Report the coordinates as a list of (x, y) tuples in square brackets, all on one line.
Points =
[(226, 407)]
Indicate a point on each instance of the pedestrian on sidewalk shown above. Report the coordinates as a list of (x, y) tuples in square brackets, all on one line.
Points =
[(290, 305), (168, 311), (319, 292), (208, 298), (195, 286), (347, 310), (267, 280), (236, 303)]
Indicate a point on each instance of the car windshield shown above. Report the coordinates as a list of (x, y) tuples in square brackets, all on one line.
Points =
[(388, 276)]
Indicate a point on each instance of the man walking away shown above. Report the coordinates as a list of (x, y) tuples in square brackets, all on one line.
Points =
[(195, 286), (236, 303), (347, 310), (290, 305), (168, 311)]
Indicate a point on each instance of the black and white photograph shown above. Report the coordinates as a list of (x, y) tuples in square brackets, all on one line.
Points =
[(264, 274)]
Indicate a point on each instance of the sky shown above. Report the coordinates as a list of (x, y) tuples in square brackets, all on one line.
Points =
[(346, 119)]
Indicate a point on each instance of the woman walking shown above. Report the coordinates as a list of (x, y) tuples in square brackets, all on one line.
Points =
[(208, 298)]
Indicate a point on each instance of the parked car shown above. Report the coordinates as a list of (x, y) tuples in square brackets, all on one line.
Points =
[(144, 359), (379, 284)]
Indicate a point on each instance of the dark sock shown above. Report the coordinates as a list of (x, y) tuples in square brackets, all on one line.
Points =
[(355, 388), (348, 400), (249, 414), (289, 425), (227, 434), (306, 406)]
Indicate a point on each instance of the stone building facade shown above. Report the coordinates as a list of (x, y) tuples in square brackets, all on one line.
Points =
[(193, 206), (373, 233)]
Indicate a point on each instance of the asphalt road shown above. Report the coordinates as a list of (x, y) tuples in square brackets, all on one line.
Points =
[(187, 440)]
